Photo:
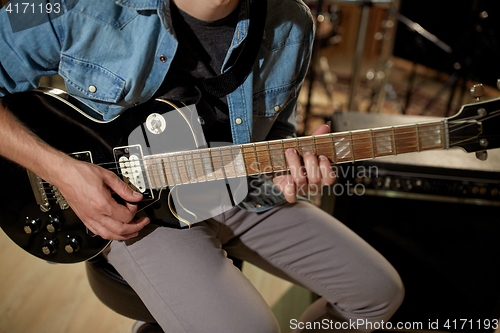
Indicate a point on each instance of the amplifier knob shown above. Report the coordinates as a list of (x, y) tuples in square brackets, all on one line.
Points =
[(73, 244), (50, 246), (387, 182), (32, 226)]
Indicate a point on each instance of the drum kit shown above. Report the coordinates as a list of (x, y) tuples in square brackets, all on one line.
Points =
[(328, 15)]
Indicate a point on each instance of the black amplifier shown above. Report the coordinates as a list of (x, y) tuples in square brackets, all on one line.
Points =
[(421, 182), (435, 216)]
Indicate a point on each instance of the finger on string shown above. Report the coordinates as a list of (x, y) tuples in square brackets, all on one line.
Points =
[(327, 175), (295, 167), (312, 168)]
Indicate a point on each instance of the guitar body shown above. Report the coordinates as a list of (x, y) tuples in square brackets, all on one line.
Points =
[(47, 227)]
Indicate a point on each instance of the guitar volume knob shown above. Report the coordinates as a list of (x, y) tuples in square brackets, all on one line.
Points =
[(73, 244), (32, 226), (55, 224), (50, 246)]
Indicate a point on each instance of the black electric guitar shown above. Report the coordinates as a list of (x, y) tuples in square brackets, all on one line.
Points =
[(159, 150)]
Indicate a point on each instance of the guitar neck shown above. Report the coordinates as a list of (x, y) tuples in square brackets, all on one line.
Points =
[(269, 156)]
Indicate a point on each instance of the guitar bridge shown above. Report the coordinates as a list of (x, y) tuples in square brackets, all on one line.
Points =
[(131, 161), (39, 191), (37, 184)]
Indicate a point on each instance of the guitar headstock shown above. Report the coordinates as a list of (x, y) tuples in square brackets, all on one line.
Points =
[(476, 127)]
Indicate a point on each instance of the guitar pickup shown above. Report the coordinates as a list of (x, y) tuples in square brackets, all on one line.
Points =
[(131, 161), (84, 156)]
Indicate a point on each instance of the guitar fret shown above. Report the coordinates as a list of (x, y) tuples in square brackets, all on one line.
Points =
[(446, 133), (212, 165), (228, 161), (203, 164), (166, 162), (191, 169), (371, 141), (222, 164), (352, 146), (151, 172), (383, 142), (343, 148), (231, 162), (241, 168), (179, 171), (181, 168), (171, 180), (244, 159), (269, 154), (256, 157), (173, 170), (193, 164), (207, 165), (417, 131), (443, 137), (334, 156), (394, 141), (162, 169), (431, 136), (283, 152)]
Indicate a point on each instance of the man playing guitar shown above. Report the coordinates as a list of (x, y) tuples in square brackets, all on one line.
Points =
[(117, 54)]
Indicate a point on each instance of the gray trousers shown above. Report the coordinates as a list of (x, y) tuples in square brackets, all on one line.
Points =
[(189, 285)]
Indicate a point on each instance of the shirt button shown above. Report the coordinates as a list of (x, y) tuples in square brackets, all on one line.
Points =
[(136, 104), (277, 108), (163, 58), (238, 121), (92, 89)]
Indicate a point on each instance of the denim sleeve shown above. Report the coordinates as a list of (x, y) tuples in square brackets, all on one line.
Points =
[(285, 125), (27, 55)]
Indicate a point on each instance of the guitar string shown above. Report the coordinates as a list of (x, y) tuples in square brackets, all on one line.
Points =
[(380, 132), (399, 136), (179, 175)]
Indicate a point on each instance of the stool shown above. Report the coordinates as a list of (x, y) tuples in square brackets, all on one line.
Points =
[(114, 292)]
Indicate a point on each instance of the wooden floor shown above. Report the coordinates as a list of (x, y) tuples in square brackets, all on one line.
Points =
[(37, 297)]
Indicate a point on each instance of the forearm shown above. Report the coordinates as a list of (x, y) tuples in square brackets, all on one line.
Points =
[(23, 147)]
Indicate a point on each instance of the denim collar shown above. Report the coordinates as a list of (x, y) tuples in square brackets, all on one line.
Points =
[(142, 4)]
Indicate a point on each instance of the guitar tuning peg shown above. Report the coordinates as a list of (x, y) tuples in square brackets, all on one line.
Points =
[(477, 91), (498, 84)]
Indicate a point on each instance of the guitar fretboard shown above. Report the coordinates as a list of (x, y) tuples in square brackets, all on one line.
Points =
[(208, 164)]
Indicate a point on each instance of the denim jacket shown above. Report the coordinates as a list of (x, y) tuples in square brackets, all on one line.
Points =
[(114, 55)]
